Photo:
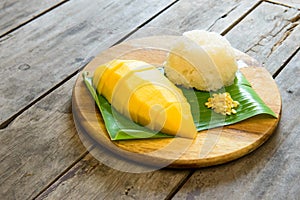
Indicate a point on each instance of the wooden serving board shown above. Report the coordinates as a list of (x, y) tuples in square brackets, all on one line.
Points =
[(210, 147)]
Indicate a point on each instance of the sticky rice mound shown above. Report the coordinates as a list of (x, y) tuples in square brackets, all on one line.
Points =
[(202, 60)]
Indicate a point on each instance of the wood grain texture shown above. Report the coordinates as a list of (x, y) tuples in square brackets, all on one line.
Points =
[(210, 147), (55, 45), (200, 14), (14, 13), (38, 146), (90, 179), (272, 39), (289, 3), (270, 172)]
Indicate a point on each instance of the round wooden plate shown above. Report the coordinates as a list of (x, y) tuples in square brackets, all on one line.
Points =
[(211, 147)]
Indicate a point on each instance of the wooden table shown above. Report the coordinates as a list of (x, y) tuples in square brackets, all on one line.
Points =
[(45, 44)]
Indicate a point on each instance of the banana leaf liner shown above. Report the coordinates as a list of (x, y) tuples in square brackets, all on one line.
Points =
[(121, 128)]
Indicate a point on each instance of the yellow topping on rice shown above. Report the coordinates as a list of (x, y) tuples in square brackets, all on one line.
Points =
[(222, 103)]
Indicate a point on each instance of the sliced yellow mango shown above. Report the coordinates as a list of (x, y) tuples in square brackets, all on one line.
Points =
[(142, 93)]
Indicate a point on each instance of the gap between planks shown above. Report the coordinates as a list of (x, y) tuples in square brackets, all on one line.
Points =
[(241, 18), (6, 123), (61, 174), (33, 18), (281, 4), (180, 185), (145, 23), (249, 11), (285, 63)]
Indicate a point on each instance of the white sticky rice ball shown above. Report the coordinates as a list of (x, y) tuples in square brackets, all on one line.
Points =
[(202, 60)]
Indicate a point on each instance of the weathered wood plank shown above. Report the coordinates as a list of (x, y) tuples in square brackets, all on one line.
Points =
[(270, 37), (52, 47), (90, 179), (201, 14), (290, 3), (35, 148), (272, 171), (13, 13), (285, 45)]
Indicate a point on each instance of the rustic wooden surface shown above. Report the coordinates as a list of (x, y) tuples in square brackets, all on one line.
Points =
[(288, 3), (44, 45), (15, 13), (228, 143)]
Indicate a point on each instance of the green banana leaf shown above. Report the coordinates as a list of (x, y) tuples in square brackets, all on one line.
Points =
[(121, 128)]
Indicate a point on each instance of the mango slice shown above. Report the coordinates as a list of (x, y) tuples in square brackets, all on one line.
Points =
[(142, 93)]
